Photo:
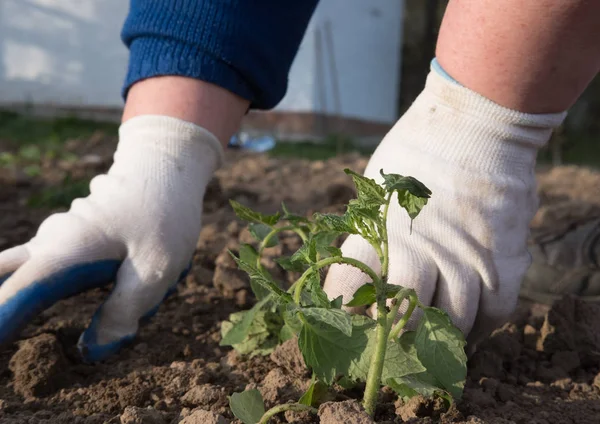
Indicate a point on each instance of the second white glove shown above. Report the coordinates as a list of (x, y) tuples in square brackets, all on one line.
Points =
[(467, 253)]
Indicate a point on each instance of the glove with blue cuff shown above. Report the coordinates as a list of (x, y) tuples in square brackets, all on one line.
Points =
[(138, 228)]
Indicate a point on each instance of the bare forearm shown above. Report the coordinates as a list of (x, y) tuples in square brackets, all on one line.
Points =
[(204, 104), (532, 56)]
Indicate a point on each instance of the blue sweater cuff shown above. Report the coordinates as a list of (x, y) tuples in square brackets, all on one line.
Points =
[(153, 56), (246, 47)]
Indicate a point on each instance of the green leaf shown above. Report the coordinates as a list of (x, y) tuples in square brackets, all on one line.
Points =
[(261, 337), (441, 348), (369, 192), (337, 302), (398, 361), (321, 319), (365, 295), (307, 252), (412, 204), (414, 384), (239, 331), (336, 223), (334, 251), (262, 278), (323, 240), (288, 264), (317, 295), (396, 182), (247, 214), (247, 406), (330, 352), (315, 394), (248, 253), (286, 333), (260, 231)]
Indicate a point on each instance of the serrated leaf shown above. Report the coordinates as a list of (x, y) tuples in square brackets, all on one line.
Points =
[(330, 352), (317, 296), (260, 231), (240, 329), (369, 192), (337, 302), (334, 251), (397, 182), (248, 253), (315, 394), (365, 295), (307, 252), (247, 406), (261, 337), (288, 264), (412, 204), (441, 348), (323, 240), (337, 223), (321, 319), (247, 214), (262, 278), (414, 384), (398, 362)]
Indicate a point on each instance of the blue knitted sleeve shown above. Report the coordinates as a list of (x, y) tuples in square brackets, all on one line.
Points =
[(244, 46)]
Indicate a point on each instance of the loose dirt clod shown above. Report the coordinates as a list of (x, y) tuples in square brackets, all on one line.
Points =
[(135, 415), (37, 365), (347, 412), (205, 396), (288, 356), (200, 416)]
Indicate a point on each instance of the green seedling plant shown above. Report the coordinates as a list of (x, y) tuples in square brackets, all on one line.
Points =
[(338, 346)]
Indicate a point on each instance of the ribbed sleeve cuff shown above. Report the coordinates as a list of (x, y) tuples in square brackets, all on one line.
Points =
[(155, 56)]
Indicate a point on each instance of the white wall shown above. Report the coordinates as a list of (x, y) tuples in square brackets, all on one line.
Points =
[(367, 38), (68, 52)]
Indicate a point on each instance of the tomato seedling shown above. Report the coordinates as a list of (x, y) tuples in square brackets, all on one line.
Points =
[(336, 344)]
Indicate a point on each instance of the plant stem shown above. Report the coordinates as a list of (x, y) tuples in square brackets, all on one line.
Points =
[(376, 367), (412, 299), (274, 232), (299, 285), (285, 407), (386, 252)]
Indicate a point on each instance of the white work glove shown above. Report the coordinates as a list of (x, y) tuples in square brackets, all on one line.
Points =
[(467, 253), (138, 227)]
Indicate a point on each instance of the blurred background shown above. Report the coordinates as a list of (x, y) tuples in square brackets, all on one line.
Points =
[(360, 66)]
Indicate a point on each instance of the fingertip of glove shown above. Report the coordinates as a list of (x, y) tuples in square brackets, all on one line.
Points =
[(90, 351)]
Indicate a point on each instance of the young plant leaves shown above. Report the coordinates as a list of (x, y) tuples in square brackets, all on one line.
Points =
[(261, 277), (329, 352), (247, 214), (247, 406), (261, 337), (441, 348), (317, 296), (315, 394), (321, 319), (236, 333), (410, 385), (412, 194), (367, 295), (370, 193), (398, 362), (260, 232)]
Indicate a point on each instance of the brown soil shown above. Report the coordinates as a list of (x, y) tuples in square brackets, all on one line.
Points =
[(542, 367)]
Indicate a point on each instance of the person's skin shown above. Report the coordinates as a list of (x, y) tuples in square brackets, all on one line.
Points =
[(199, 102), (533, 56)]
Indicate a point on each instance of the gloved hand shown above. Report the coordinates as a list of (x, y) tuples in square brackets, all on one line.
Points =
[(467, 253), (138, 227)]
